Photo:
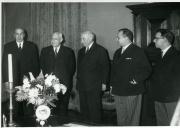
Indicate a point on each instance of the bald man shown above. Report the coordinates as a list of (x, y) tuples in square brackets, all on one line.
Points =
[(92, 76), (60, 61), (25, 58)]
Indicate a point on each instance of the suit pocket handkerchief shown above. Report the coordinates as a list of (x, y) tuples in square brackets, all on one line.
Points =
[(128, 58)]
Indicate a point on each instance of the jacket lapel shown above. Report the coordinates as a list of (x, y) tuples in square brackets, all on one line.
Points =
[(51, 52), (168, 53), (15, 47), (89, 52), (126, 52), (61, 51), (85, 56), (24, 46)]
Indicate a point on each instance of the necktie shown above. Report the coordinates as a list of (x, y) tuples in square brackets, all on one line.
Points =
[(56, 51), (19, 47)]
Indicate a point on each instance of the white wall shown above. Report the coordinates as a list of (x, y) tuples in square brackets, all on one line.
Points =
[(104, 19)]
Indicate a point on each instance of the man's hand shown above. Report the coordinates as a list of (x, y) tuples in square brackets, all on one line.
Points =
[(103, 87)]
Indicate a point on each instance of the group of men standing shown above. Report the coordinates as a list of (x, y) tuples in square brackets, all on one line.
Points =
[(127, 74)]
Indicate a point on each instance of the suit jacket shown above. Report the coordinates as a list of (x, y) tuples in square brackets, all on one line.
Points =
[(92, 68), (153, 54), (24, 61), (165, 80), (62, 65), (132, 64)]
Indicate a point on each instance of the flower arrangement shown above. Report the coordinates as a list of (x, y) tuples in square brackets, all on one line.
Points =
[(40, 92)]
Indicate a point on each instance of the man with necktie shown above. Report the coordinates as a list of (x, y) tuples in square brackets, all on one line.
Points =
[(25, 59), (92, 76), (165, 80), (59, 60), (130, 69)]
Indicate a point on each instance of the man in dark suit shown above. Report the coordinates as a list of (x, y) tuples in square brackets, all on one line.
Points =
[(92, 76), (130, 69), (25, 58), (60, 61), (165, 78)]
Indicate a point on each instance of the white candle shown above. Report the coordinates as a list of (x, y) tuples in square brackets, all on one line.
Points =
[(10, 75), (10, 68)]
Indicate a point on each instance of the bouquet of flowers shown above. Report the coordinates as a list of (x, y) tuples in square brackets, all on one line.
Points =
[(40, 92)]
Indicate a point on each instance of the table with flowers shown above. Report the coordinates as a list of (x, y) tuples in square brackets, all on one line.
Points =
[(41, 92)]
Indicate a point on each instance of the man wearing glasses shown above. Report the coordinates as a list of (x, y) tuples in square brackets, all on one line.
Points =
[(165, 79)]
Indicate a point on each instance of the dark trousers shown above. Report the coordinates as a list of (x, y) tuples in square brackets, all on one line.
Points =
[(62, 103), (148, 116), (90, 105)]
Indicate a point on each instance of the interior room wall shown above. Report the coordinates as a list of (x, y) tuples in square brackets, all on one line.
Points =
[(104, 19)]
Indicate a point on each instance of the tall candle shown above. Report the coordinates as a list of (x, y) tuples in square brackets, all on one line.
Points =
[(10, 68), (10, 75)]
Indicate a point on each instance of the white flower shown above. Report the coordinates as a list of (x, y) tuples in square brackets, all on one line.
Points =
[(49, 79), (39, 86), (46, 75), (40, 101), (26, 90), (33, 93), (25, 80), (48, 82), (31, 76), (63, 88), (32, 100), (57, 88), (26, 86)]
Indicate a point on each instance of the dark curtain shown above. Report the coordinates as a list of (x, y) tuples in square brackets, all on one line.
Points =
[(42, 19)]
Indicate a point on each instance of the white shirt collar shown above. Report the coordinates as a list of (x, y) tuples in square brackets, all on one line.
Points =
[(57, 48), (90, 45), (20, 43), (165, 50), (125, 47)]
